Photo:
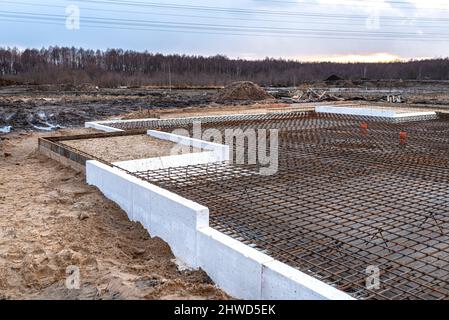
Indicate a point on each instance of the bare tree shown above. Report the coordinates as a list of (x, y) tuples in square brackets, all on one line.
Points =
[(124, 67)]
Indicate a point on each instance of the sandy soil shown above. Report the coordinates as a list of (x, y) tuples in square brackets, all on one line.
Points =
[(50, 219), (127, 147)]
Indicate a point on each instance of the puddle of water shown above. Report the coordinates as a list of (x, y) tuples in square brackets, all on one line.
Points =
[(5, 129), (49, 127)]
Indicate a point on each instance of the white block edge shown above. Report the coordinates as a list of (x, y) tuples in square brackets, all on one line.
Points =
[(272, 280), (221, 151), (168, 194), (281, 281), (416, 114), (234, 266), (97, 125), (165, 162), (372, 112), (356, 111)]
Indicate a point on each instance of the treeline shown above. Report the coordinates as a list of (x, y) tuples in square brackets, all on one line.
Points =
[(116, 67)]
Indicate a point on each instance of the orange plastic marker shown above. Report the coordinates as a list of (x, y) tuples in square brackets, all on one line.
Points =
[(402, 137), (363, 128)]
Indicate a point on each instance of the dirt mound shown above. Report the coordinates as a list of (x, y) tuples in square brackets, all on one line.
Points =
[(242, 90)]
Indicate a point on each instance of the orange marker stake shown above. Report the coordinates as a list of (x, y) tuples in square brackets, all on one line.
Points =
[(363, 128), (403, 137)]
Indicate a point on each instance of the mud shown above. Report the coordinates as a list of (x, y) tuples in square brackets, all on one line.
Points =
[(41, 108), (50, 107)]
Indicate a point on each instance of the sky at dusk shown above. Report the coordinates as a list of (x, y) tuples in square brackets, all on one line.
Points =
[(308, 30)]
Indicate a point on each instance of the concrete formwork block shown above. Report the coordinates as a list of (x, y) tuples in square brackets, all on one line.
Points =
[(117, 188), (175, 220), (102, 127), (140, 203), (232, 265), (141, 207), (112, 182), (167, 162), (187, 159), (221, 151), (164, 214), (375, 112), (94, 173), (222, 154), (357, 111), (282, 282), (417, 114)]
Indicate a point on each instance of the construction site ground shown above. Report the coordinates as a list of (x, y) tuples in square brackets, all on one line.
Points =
[(50, 219)]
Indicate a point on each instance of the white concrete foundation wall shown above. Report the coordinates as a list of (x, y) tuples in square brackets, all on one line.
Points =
[(416, 114), (282, 282), (164, 214), (372, 112), (234, 266), (167, 162), (246, 273), (217, 153), (357, 111), (97, 125), (221, 151), (240, 270)]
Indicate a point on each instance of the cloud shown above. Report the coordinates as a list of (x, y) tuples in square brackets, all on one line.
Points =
[(369, 58), (321, 29)]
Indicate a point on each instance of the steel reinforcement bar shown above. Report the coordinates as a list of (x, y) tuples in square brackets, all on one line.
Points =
[(344, 201)]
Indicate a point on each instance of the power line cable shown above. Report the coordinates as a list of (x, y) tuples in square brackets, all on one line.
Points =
[(275, 30), (248, 11), (200, 30), (403, 5), (324, 21)]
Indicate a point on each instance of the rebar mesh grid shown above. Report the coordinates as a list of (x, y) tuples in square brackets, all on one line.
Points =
[(220, 119), (343, 199)]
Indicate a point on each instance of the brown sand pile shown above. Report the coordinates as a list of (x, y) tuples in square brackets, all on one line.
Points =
[(50, 219), (242, 90)]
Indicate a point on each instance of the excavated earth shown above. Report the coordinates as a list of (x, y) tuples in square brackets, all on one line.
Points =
[(50, 220)]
